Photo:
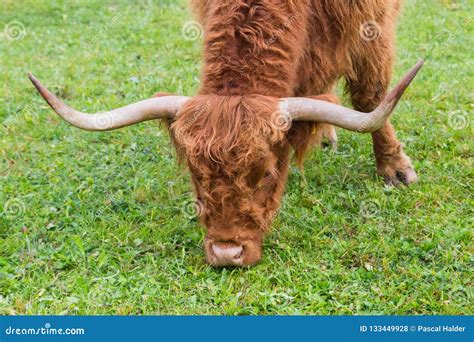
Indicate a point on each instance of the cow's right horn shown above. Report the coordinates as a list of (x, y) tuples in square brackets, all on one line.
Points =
[(306, 109), (154, 108)]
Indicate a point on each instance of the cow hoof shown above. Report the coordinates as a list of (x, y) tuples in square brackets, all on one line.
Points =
[(329, 136), (405, 177), (398, 171)]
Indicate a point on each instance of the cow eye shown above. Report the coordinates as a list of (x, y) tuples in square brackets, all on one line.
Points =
[(265, 179)]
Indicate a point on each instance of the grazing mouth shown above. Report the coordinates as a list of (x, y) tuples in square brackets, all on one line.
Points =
[(232, 253)]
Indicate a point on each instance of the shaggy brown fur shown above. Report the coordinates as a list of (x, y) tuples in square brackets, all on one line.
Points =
[(256, 51)]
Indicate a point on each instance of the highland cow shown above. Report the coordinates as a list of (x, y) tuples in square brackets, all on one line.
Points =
[(269, 70)]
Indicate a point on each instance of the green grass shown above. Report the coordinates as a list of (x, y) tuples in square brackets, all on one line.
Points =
[(97, 223)]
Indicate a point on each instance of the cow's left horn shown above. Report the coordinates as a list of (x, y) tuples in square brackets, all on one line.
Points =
[(154, 108), (305, 109)]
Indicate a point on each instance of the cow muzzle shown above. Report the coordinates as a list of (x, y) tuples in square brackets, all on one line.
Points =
[(230, 253)]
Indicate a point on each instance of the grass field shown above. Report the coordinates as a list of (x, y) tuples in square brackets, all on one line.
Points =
[(100, 223)]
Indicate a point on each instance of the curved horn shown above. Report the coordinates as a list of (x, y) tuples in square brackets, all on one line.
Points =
[(305, 109), (154, 108)]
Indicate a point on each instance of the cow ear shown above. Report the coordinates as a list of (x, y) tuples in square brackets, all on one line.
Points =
[(305, 134)]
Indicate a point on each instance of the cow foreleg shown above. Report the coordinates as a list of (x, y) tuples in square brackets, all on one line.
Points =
[(367, 89)]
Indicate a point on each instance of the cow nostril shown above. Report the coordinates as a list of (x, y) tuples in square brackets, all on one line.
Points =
[(227, 254), (240, 254)]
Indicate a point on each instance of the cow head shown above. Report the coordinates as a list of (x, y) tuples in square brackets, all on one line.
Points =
[(236, 148), (237, 156)]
